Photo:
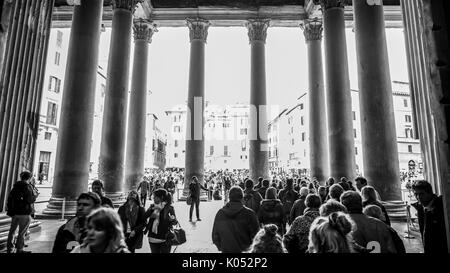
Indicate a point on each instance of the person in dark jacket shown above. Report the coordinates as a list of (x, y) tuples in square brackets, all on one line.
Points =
[(430, 213), (299, 205), (194, 194), (235, 225), (133, 222), (265, 185), (98, 188), (369, 196), (20, 208), (162, 217), (73, 232), (252, 198), (287, 197), (272, 211)]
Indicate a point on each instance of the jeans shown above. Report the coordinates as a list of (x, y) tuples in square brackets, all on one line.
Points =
[(143, 199), (23, 221), (196, 203), (160, 247)]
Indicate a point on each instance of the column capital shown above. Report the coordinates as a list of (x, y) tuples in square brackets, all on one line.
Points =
[(257, 29), (144, 29), (198, 29), (126, 4), (328, 4), (312, 29)]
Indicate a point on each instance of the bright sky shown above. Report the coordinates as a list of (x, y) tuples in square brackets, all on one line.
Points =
[(227, 79)]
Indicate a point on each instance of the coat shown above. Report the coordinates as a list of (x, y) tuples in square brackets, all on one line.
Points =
[(369, 229), (165, 223), (272, 212), (20, 199), (432, 226), (234, 228), (68, 236), (298, 208), (299, 230), (386, 219), (134, 242)]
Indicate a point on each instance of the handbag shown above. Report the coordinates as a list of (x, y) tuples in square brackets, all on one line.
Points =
[(189, 200), (176, 236)]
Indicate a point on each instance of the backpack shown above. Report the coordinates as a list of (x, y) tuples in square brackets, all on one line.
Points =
[(249, 201), (15, 202)]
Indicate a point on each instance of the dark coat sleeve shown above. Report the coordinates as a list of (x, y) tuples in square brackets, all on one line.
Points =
[(253, 224), (62, 238)]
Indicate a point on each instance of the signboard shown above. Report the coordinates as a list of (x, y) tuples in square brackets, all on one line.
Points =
[(412, 164)]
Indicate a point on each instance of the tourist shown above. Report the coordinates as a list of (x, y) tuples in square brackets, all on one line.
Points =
[(272, 211), (344, 184), (332, 234), (369, 197), (162, 217), (252, 198), (73, 232), (299, 206), (169, 186), (19, 208), (104, 233), (331, 206), (430, 213), (322, 192), (267, 240), (98, 188), (296, 240), (235, 225), (194, 194), (264, 187), (335, 192), (368, 229), (288, 197), (132, 216), (376, 212), (144, 188), (361, 182)]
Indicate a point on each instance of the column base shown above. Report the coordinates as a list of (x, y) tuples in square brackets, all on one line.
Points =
[(54, 209), (118, 198), (182, 196)]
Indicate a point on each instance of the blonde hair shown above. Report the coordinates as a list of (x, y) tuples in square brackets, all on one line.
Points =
[(108, 219), (331, 234)]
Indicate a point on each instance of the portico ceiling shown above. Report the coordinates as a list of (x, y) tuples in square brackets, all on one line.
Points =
[(226, 13)]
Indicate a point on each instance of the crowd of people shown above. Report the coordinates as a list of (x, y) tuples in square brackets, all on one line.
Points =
[(284, 214)]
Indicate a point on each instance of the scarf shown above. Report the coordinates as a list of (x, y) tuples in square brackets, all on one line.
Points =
[(155, 214)]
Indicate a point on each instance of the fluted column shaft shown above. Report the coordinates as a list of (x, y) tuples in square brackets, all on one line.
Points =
[(77, 113), (339, 103), (112, 147), (195, 144), (312, 30), (379, 140), (134, 164), (258, 130)]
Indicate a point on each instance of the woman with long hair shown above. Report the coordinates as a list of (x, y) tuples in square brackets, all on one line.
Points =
[(332, 234), (272, 212), (162, 217), (104, 233), (370, 197), (132, 216)]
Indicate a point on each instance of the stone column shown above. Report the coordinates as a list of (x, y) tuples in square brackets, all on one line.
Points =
[(112, 147), (195, 144), (137, 111), (312, 29), (339, 102), (379, 140), (258, 127), (77, 112)]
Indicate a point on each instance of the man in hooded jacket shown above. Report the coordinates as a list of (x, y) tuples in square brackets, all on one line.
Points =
[(235, 225)]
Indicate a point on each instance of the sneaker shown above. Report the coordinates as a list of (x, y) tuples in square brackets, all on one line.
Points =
[(198, 219), (23, 251), (190, 220)]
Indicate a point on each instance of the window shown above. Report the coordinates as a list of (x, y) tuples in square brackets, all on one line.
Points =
[(174, 118), (244, 131), (303, 136), (410, 150), (47, 135), (291, 156), (57, 58), (292, 141), (292, 130), (405, 102), (54, 84), (177, 129), (356, 150), (301, 120), (211, 150), (354, 115), (225, 161), (59, 37), (52, 111), (408, 118), (244, 145), (354, 133), (301, 106), (225, 150), (176, 143), (175, 155)]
